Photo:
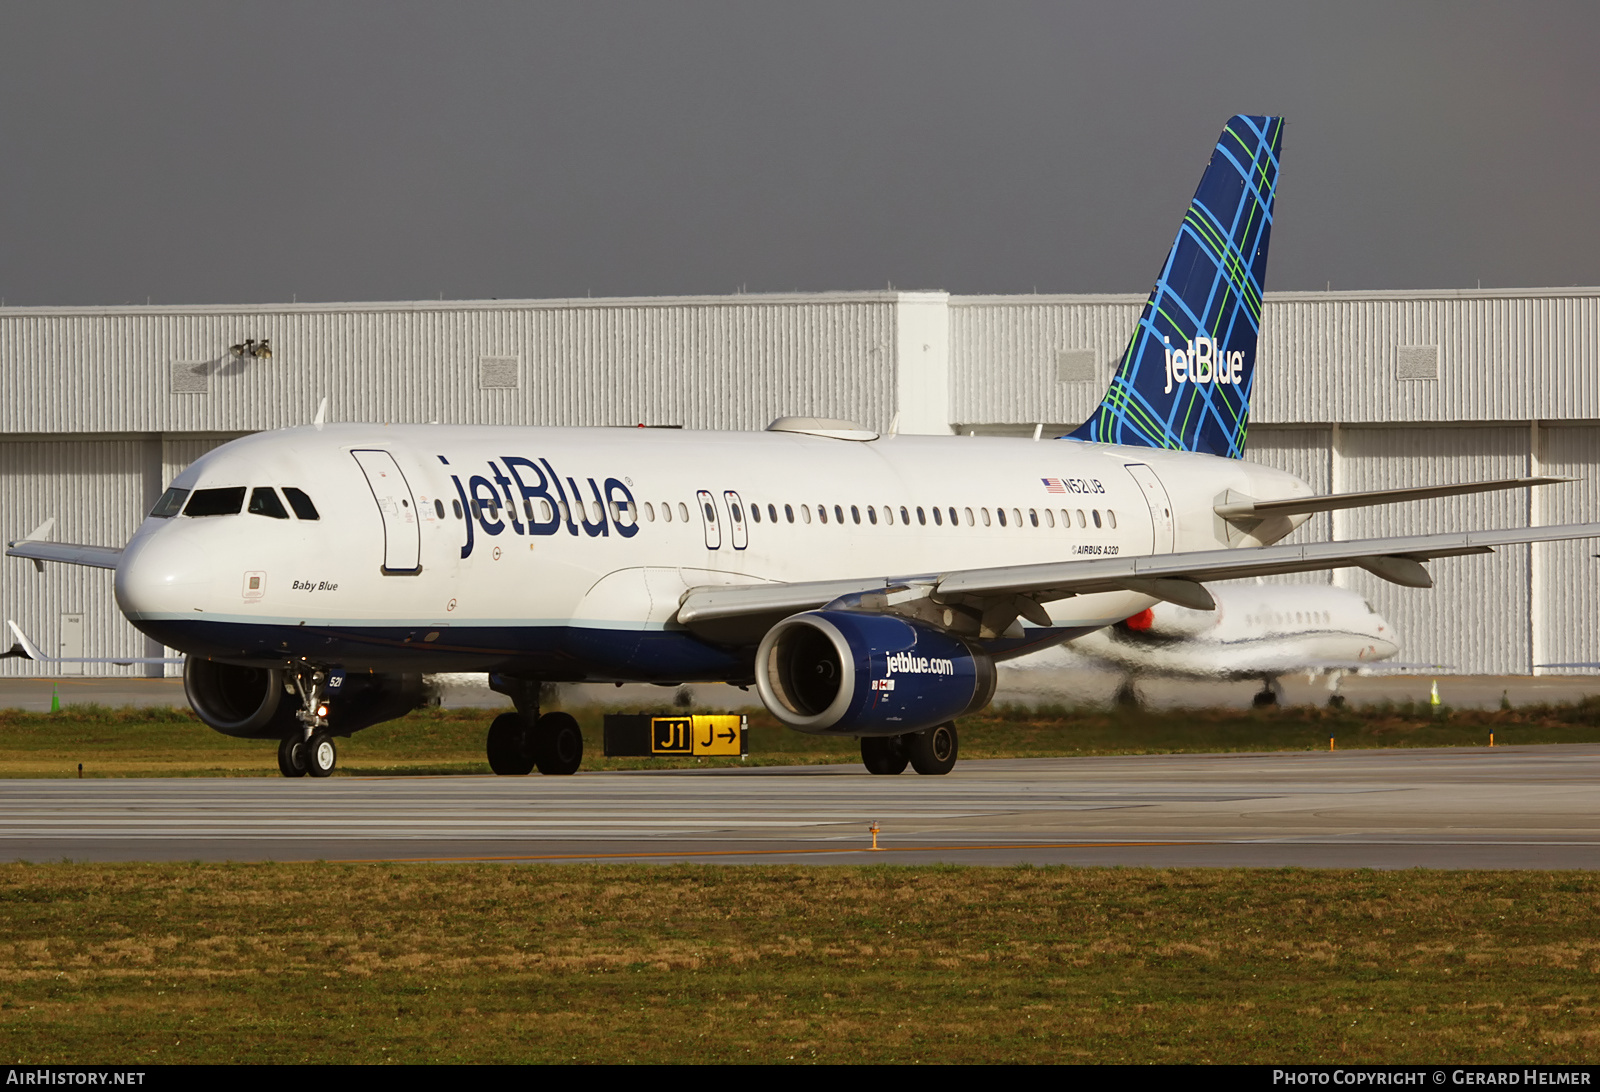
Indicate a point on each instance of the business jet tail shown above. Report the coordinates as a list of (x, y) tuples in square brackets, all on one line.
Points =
[(1184, 382)]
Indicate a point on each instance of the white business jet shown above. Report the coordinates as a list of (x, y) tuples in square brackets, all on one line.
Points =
[(866, 585), (1257, 631)]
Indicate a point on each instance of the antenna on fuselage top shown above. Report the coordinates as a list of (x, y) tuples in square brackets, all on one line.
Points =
[(322, 413)]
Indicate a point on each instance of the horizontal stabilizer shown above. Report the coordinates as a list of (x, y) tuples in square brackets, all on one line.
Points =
[(1334, 501)]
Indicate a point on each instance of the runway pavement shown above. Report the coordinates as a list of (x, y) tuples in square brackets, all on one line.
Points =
[(1508, 807), (1019, 684)]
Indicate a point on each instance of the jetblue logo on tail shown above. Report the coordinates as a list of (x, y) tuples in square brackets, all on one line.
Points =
[(1184, 382), (1202, 363)]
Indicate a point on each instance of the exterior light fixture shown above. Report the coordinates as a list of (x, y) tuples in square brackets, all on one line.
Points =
[(251, 347)]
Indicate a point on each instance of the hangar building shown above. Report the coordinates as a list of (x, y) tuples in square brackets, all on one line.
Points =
[(1354, 391)]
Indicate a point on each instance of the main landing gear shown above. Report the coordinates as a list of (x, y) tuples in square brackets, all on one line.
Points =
[(932, 751), (518, 742), (1270, 695), (309, 749)]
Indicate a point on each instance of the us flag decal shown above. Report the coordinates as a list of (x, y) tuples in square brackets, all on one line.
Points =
[(1053, 485)]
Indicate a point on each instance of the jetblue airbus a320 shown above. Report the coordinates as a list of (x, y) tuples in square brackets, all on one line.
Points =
[(865, 584)]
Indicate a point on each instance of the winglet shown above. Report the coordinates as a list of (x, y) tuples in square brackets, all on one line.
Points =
[(40, 533), (322, 413), (29, 649)]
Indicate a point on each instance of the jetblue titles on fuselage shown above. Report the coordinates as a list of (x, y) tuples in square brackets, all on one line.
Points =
[(546, 505)]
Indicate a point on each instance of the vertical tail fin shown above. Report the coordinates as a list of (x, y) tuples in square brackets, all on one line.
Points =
[(1185, 380)]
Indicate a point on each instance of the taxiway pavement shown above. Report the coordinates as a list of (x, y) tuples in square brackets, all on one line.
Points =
[(1503, 808)]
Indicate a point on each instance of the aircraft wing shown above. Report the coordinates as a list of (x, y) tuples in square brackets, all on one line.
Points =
[(96, 557), (37, 547), (1000, 595), (24, 649)]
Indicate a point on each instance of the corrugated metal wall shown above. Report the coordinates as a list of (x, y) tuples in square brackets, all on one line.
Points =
[(1475, 618), (725, 363), (1004, 355), (1566, 588), (97, 491)]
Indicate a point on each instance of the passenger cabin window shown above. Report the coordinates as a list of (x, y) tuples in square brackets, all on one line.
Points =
[(264, 502), (170, 504), (438, 507), (215, 502), (302, 504)]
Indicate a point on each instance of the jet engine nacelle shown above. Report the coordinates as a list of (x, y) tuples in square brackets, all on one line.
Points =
[(859, 674), (254, 702)]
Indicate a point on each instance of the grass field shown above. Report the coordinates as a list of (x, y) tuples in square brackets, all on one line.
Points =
[(168, 743), (482, 963)]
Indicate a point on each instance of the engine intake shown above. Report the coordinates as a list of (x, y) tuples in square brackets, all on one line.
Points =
[(859, 674), (252, 702), (248, 702)]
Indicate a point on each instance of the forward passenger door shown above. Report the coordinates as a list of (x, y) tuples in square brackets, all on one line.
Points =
[(402, 531)]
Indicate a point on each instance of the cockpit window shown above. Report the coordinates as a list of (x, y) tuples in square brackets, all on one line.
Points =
[(170, 504), (264, 502), (216, 502), (300, 503)]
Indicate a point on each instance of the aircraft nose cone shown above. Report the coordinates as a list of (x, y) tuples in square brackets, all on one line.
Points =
[(162, 575)]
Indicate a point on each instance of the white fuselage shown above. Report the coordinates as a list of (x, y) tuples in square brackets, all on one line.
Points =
[(1257, 631), (551, 551)]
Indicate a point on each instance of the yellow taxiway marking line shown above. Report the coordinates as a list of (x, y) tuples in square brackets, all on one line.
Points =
[(768, 852)]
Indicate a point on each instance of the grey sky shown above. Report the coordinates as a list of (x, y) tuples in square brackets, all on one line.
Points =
[(224, 153)]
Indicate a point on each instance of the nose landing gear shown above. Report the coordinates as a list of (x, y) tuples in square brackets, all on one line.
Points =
[(309, 749)]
